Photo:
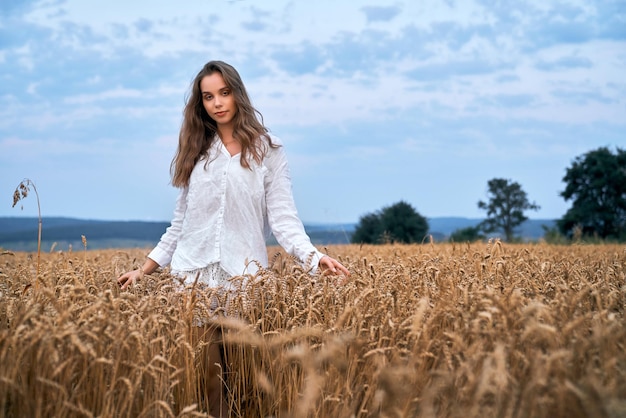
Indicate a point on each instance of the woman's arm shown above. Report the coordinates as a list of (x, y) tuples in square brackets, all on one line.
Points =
[(161, 255), (164, 250), (283, 216)]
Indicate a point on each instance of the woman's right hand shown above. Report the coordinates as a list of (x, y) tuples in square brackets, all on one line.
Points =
[(129, 278), (134, 276)]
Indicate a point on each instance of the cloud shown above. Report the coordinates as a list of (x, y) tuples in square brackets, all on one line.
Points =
[(259, 22), (120, 31), (251, 68), (381, 13), (78, 36), (562, 23), (507, 78), (564, 63), (451, 69), (16, 33), (610, 20), (302, 59), (113, 94), (370, 52), (547, 33), (10, 8), (508, 100), (144, 25), (254, 26), (456, 35), (581, 97)]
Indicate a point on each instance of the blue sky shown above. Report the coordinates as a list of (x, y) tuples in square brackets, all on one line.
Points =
[(376, 101)]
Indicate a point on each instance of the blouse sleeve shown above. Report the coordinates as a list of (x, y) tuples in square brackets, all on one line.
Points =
[(163, 252), (281, 210)]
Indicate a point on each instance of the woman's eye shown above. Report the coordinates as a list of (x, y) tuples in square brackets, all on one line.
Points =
[(225, 92)]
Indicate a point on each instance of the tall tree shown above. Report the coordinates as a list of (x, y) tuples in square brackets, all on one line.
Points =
[(505, 208), (596, 185), (399, 222)]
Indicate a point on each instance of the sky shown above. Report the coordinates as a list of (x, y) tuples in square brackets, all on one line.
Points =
[(376, 101)]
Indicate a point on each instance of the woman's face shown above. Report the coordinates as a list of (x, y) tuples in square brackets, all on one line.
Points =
[(217, 99)]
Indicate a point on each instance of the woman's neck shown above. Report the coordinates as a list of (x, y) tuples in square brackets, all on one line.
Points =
[(230, 143), (226, 134)]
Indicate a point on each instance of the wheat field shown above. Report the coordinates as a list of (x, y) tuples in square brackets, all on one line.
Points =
[(433, 330)]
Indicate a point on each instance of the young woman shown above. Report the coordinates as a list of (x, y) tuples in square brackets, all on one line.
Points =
[(235, 189)]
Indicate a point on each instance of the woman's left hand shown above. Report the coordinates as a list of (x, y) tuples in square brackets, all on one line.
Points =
[(332, 266)]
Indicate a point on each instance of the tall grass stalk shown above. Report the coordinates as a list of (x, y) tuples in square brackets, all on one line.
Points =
[(21, 192)]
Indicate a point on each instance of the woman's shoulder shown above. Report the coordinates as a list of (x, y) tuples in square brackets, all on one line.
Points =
[(275, 153), (271, 145), (274, 139)]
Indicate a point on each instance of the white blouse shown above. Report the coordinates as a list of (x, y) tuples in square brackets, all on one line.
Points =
[(227, 212)]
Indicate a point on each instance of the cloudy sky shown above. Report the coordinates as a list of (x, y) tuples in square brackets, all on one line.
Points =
[(376, 101)]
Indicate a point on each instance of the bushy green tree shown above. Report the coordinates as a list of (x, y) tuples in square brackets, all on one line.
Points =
[(399, 222), (596, 185), (469, 234), (368, 230), (505, 208)]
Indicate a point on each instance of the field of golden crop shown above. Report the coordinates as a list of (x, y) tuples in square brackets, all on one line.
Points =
[(435, 330)]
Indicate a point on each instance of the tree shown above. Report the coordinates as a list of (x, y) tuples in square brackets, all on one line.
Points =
[(399, 222), (506, 206), (596, 185), (368, 229), (469, 234)]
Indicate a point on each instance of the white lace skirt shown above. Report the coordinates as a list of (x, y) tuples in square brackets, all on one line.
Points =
[(215, 291), (212, 276)]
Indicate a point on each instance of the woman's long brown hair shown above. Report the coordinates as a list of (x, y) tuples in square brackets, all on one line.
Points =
[(198, 130)]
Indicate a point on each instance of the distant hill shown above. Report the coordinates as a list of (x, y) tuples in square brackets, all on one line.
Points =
[(20, 234)]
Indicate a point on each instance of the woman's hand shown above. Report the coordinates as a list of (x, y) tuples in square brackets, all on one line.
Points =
[(332, 266), (129, 278), (134, 276)]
